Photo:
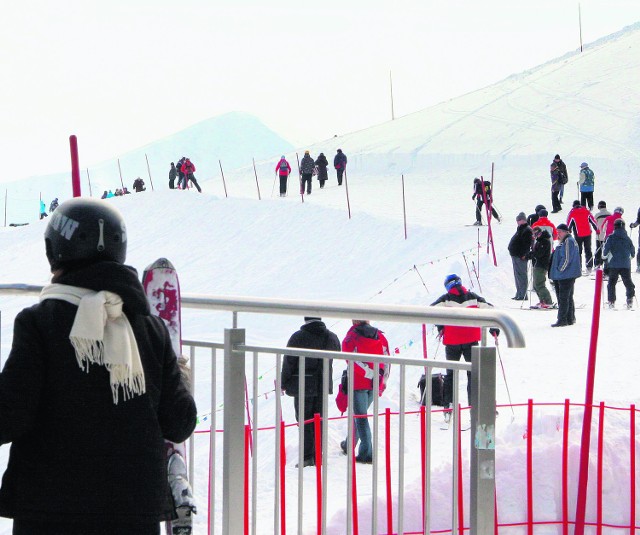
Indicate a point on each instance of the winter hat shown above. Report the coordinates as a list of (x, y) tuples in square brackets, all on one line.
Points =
[(539, 207), (339, 150), (306, 152), (543, 213), (451, 281), (521, 217), (619, 223), (602, 204), (308, 319), (576, 203), (562, 226), (619, 210), (583, 165), (556, 157), (282, 157)]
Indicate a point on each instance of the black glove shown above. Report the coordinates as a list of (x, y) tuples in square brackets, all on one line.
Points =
[(494, 331), (473, 197), (633, 225)]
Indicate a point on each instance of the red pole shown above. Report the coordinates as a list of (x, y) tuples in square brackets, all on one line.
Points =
[(246, 404), (530, 467), (404, 209), (424, 340), (247, 434), (318, 438), (223, 182), (75, 166), (387, 451), (283, 462), (460, 489), (632, 459), (354, 496), (495, 510), (599, 469), (583, 477), (423, 459), (565, 469), (256, 173)]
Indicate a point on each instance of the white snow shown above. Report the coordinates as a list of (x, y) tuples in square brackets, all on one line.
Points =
[(582, 106)]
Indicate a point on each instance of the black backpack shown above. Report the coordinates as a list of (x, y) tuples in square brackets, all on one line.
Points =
[(437, 389)]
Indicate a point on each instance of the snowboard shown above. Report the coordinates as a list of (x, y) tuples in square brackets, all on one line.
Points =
[(162, 288)]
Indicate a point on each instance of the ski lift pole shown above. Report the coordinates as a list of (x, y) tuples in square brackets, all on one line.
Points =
[(273, 188), (148, 171), (224, 184)]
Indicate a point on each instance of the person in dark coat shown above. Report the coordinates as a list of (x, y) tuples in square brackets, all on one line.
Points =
[(519, 248), (340, 164), (173, 173), (322, 164), (87, 402), (634, 225), (307, 167), (312, 335), (480, 197), (555, 188), (182, 179), (564, 270), (138, 185), (619, 250), (532, 218), (540, 256), (563, 175)]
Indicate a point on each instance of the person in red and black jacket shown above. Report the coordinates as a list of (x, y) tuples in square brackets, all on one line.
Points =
[(189, 169), (364, 338), (459, 340), (283, 169), (580, 220)]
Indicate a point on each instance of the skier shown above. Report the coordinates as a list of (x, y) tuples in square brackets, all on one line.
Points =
[(586, 185), (362, 337), (540, 256), (563, 175), (532, 218), (619, 250), (610, 221), (284, 170), (188, 169), (564, 270), (459, 340), (479, 196), (312, 335), (543, 222), (601, 217), (519, 247), (173, 173), (321, 166), (43, 210), (340, 164), (94, 387), (634, 225), (307, 166), (555, 188), (138, 185), (53, 205), (581, 221), (105, 195)]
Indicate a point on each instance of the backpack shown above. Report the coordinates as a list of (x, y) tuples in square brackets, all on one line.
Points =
[(437, 389), (589, 177), (283, 165), (562, 177)]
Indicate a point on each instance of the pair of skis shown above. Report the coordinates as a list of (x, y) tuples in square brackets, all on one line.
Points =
[(162, 288)]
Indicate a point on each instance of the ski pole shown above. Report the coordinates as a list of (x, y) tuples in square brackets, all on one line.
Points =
[(274, 183), (504, 376)]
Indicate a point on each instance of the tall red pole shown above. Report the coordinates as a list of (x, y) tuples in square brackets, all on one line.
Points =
[(583, 477), (75, 166)]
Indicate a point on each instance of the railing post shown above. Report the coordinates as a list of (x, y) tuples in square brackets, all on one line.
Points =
[(483, 454), (234, 434)]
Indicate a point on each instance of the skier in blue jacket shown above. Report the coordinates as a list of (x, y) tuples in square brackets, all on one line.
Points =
[(619, 250), (565, 269)]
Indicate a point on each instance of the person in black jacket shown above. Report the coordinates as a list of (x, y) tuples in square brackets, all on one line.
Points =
[(173, 173), (322, 164), (340, 165), (519, 248), (307, 167), (480, 197), (634, 225), (90, 391), (540, 256), (563, 175), (312, 335)]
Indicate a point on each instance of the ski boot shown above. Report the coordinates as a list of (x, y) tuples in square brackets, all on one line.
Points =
[(182, 496)]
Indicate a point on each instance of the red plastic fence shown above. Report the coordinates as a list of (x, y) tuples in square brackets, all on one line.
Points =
[(565, 522)]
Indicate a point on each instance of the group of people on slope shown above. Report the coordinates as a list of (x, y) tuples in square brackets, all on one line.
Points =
[(362, 337), (184, 171), (534, 241), (43, 208), (108, 194), (309, 168), (560, 177)]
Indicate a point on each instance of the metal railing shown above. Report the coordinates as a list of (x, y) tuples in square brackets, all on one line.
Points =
[(482, 401)]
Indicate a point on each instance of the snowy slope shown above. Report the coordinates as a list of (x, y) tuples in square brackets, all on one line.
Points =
[(284, 248)]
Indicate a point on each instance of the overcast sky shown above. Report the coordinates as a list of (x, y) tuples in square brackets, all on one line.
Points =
[(123, 73)]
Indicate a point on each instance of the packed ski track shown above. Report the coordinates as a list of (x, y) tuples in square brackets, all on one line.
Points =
[(286, 248)]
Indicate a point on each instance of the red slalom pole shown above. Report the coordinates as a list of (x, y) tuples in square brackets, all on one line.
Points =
[(387, 460), (75, 166), (583, 477), (283, 494), (354, 495), (247, 433), (530, 467), (318, 445), (495, 512), (632, 463), (423, 460), (424, 342), (599, 469), (565, 469), (460, 489)]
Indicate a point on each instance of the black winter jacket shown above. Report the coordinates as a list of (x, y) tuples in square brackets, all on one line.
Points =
[(521, 241), (540, 253), (307, 165), (322, 164), (312, 335), (74, 453)]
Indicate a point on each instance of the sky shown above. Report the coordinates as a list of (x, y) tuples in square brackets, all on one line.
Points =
[(120, 73)]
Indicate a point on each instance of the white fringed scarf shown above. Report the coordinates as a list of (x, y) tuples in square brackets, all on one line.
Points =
[(102, 335)]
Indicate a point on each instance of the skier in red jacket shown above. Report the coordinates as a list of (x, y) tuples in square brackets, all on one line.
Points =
[(188, 169), (580, 220), (364, 338), (459, 340), (284, 170)]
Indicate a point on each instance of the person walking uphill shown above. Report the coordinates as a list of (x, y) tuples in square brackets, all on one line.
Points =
[(322, 163), (90, 391), (284, 170), (189, 169), (307, 167), (619, 250), (340, 164), (364, 338), (555, 188), (312, 335), (519, 248), (459, 340), (173, 173), (586, 185), (564, 270), (581, 221)]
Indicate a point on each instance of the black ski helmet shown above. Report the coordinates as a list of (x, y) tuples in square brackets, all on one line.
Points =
[(85, 230)]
